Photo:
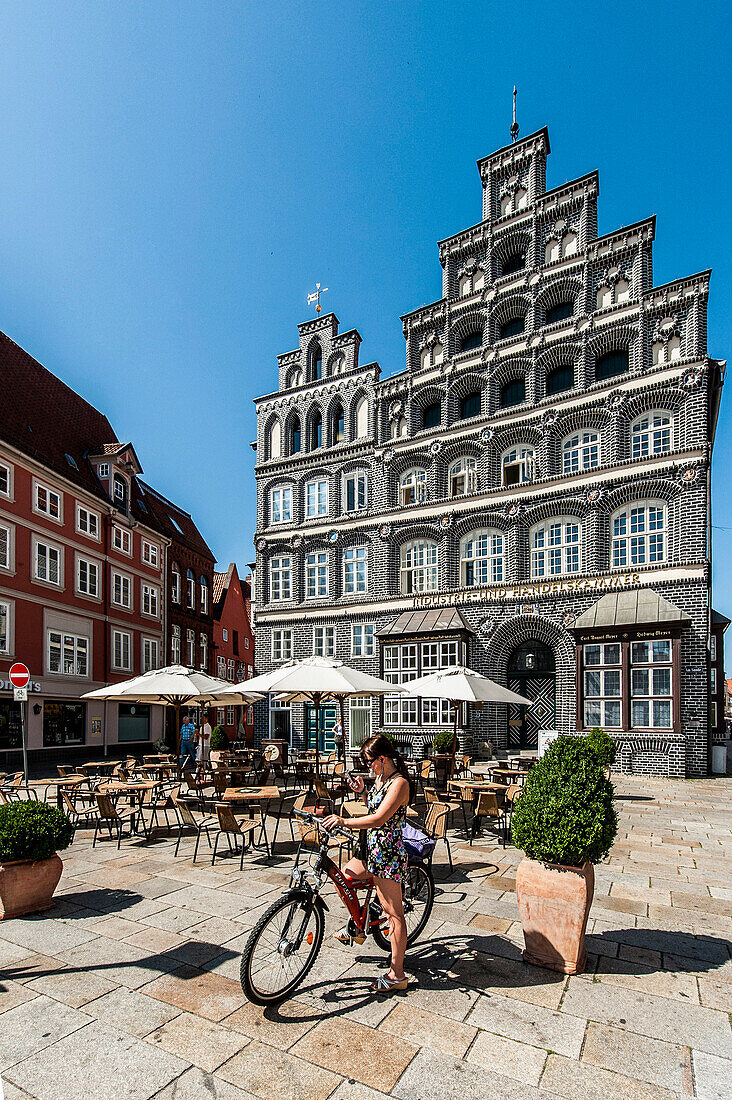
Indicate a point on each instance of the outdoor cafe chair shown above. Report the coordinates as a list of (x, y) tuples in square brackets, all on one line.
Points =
[(64, 770), (78, 816), (285, 807), (487, 808), (112, 818), (186, 820), (230, 826), (435, 825), (432, 795), (426, 771), (157, 801)]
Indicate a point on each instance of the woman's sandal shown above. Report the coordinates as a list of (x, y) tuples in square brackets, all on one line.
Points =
[(384, 984)]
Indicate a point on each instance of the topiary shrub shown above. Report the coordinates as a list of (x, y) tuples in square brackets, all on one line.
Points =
[(32, 830), (219, 740), (565, 813), (442, 741), (603, 745)]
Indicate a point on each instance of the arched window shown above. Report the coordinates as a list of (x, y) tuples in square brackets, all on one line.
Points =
[(295, 437), (471, 282), (362, 418), (418, 569), (470, 405), (639, 534), (432, 415), (514, 202), (481, 558), (190, 588), (666, 351), (204, 596), (604, 297), (316, 430), (413, 486), (555, 548), (514, 327), (463, 477), (560, 312), (430, 356), (339, 424), (274, 440), (175, 583), (316, 363), (518, 465), (581, 451), (398, 427), (651, 435), (612, 363), (552, 251), (569, 244), (512, 393), (515, 261), (471, 341), (338, 365), (559, 380)]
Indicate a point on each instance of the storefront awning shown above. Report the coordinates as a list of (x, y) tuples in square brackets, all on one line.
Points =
[(427, 622), (641, 608)]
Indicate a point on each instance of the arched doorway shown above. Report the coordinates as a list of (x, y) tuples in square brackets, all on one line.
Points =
[(531, 673)]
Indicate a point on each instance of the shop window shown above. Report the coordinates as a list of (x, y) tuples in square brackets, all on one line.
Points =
[(407, 661), (63, 724), (602, 684), (133, 722), (10, 730), (650, 685)]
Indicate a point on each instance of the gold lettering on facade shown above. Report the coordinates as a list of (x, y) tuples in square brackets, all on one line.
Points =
[(525, 592)]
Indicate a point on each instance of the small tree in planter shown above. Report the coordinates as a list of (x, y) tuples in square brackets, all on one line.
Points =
[(565, 822), (605, 748), (31, 833), (219, 743)]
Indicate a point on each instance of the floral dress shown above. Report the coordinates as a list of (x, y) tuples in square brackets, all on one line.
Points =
[(386, 854)]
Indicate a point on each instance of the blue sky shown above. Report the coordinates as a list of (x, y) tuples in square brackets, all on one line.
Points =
[(176, 177)]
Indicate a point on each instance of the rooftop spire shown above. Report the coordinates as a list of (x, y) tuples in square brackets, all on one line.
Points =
[(514, 124)]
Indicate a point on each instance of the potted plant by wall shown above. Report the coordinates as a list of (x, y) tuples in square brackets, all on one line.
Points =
[(442, 754), (219, 743), (31, 833), (565, 822), (604, 747)]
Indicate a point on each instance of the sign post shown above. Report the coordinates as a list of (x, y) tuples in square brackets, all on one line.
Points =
[(19, 677)]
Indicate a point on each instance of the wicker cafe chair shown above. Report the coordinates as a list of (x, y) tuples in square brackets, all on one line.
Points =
[(488, 809), (435, 825), (112, 818), (158, 801), (285, 806), (431, 795), (186, 820), (426, 771), (230, 826), (79, 817)]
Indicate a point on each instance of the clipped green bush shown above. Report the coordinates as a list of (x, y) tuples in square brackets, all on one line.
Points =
[(442, 741), (219, 740), (32, 830), (603, 745), (566, 813)]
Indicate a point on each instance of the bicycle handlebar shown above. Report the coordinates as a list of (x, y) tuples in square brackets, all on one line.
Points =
[(313, 819)]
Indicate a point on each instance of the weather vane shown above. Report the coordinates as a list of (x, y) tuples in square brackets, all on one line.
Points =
[(514, 124), (315, 297)]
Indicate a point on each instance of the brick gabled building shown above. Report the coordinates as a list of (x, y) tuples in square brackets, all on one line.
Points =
[(233, 645)]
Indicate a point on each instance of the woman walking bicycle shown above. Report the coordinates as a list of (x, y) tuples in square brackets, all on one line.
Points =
[(384, 862)]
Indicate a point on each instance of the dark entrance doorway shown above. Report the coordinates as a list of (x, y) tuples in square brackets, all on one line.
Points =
[(531, 673)]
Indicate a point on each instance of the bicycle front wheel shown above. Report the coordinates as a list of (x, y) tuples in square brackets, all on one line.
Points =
[(281, 949), (418, 894)]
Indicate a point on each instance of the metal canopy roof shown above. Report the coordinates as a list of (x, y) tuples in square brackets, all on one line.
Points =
[(630, 609), (427, 622)]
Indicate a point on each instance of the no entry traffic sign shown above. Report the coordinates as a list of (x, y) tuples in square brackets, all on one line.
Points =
[(19, 675)]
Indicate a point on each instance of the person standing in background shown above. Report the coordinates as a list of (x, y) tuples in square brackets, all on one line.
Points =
[(338, 739), (203, 737), (187, 743)]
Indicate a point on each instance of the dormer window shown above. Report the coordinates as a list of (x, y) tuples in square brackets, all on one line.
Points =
[(514, 327), (463, 477), (103, 469), (515, 261), (120, 492)]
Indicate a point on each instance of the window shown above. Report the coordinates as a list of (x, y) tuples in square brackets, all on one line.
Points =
[(6, 547), (470, 405), (204, 595), (150, 554), (481, 558), (280, 720), (651, 435), (713, 714), (230, 669), (281, 645), (150, 600), (581, 451), (225, 634), (230, 716), (555, 548), (362, 418), (221, 667), (316, 574), (471, 282), (246, 643), (431, 356), (63, 723), (4, 627), (339, 425), (316, 498), (419, 567), (274, 440), (121, 650), (432, 415), (359, 721), (87, 523), (622, 291), (666, 351), (512, 393), (713, 648), (235, 642), (120, 492), (514, 327), (324, 641), (47, 501), (713, 680), (190, 648), (149, 654), (355, 490), (316, 430), (122, 540), (280, 505), (280, 578), (48, 563), (175, 645), (316, 363), (515, 261), (6, 480), (87, 577), (190, 588), (638, 535), (413, 487), (518, 465), (604, 297), (472, 341), (611, 363), (103, 469), (560, 312), (650, 684), (203, 651), (463, 477), (363, 642), (175, 583), (602, 679), (122, 590), (559, 380), (355, 570), (295, 437), (406, 662)]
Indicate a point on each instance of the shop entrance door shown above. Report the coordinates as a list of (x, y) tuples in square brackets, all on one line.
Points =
[(326, 721), (531, 673)]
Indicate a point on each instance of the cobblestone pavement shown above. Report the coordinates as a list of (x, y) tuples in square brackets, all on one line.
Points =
[(129, 987)]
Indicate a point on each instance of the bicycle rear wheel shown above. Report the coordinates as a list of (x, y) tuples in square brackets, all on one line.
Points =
[(418, 895), (281, 949)]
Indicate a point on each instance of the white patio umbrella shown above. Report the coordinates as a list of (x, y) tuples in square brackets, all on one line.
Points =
[(459, 685), (314, 680), (176, 686)]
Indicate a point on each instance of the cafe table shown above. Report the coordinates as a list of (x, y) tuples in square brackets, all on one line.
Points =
[(100, 765), (256, 796), (507, 774), (66, 783)]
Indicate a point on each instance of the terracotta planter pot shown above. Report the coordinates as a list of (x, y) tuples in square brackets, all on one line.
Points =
[(554, 904), (27, 885)]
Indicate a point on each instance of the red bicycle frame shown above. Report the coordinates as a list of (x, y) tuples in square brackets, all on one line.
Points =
[(347, 893)]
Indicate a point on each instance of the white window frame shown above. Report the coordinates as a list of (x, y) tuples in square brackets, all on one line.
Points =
[(360, 481), (58, 551), (93, 567), (651, 434), (190, 648), (86, 519), (125, 587), (713, 648), (79, 647), (123, 640), (463, 477), (413, 487), (324, 641), (419, 567), (175, 644), (203, 652), (41, 487), (230, 716), (150, 600), (176, 584), (121, 497), (122, 540), (280, 578), (7, 556), (639, 546), (150, 554), (482, 558), (190, 589), (318, 489), (148, 654), (280, 504), (556, 547), (316, 574), (7, 491), (363, 640), (203, 590), (221, 666), (282, 644), (355, 570), (6, 641), (523, 458), (581, 451), (103, 470), (713, 680), (230, 669)]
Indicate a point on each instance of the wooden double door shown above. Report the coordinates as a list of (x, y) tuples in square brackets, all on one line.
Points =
[(531, 673)]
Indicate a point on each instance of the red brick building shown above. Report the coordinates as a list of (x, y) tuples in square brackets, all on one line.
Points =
[(233, 646)]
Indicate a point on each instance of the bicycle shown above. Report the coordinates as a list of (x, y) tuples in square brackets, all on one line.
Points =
[(284, 943)]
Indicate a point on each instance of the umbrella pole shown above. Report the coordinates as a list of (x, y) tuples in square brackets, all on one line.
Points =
[(316, 701), (456, 708), (177, 731)]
